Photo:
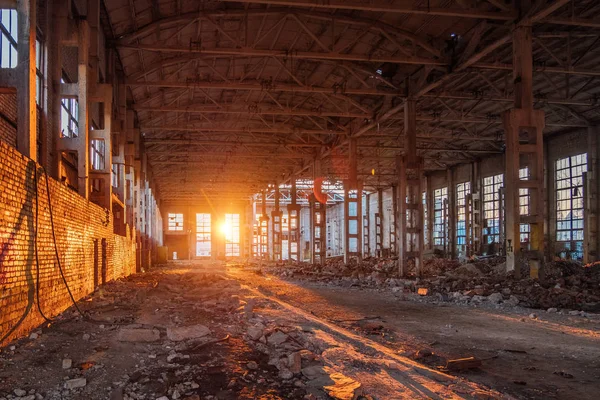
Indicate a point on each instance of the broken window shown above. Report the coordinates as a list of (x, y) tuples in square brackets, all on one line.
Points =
[(462, 190), (8, 42), (525, 229), (232, 235), (175, 222), (569, 204), (97, 158), (203, 235), (425, 221), (491, 207), (440, 216), (68, 117)]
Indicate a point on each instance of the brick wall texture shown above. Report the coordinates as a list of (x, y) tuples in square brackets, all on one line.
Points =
[(8, 118), (81, 228)]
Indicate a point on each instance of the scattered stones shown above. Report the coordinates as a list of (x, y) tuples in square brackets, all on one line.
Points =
[(252, 365), (512, 301), (67, 363), (178, 334), (277, 338), (75, 383), (533, 316), (138, 335), (495, 298), (295, 362), (552, 310), (19, 392), (255, 332)]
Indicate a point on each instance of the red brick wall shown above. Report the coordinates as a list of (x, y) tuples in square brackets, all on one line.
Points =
[(78, 223), (8, 118)]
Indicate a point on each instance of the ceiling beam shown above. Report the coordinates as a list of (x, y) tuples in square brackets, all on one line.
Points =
[(385, 7), (228, 109), (299, 55)]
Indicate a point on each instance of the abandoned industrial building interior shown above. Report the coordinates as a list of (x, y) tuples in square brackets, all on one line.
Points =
[(299, 199)]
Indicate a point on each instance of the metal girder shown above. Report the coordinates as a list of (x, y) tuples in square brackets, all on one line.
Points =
[(267, 86), (365, 23), (183, 142), (299, 55), (228, 109), (385, 7), (291, 131)]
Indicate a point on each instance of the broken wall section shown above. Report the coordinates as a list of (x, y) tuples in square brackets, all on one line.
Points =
[(90, 253)]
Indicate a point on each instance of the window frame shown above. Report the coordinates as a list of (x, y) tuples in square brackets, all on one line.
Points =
[(175, 222)]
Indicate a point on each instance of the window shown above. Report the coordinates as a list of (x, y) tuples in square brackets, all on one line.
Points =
[(462, 190), (569, 203), (175, 222), (440, 216), (39, 73), (524, 197), (425, 225), (491, 207), (232, 235), (115, 175), (203, 235), (69, 117), (97, 154), (8, 42)]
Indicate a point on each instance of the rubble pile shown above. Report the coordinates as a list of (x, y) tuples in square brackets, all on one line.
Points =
[(566, 284)]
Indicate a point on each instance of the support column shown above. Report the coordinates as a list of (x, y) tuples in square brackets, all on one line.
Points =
[(524, 145), (101, 139), (26, 79), (451, 215), (263, 229), (317, 230), (277, 228), (352, 209), (393, 220), (379, 225), (293, 225), (82, 142), (591, 193), (410, 215)]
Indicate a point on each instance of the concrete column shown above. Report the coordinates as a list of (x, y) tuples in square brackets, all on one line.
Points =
[(263, 228), (82, 142), (294, 225), (410, 215), (277, 227), (26, 79), (451, 242), (524, 144), (352, 209), (592, 197)]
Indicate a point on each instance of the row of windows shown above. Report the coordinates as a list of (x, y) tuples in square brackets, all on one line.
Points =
[(230, 228)]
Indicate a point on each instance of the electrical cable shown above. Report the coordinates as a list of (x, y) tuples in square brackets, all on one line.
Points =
[(35, 244), (62, 274)]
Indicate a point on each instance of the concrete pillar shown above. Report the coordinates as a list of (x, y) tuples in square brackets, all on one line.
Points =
[(451, 242), (379, 224), (263, 228), (277, 226), (410, 213), (352, 209), (592, 198), (524, 144), (26, 79), (82, 141), (293, 225)]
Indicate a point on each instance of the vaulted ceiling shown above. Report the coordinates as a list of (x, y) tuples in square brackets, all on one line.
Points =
[(234, 95)]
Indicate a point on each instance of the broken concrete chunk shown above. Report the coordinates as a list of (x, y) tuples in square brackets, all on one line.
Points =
[(67, 363), (19, 392), (179, 333), (277, 338), (495, 298), (295, 362), (75, 383), (255, 332), (344, 388), (138, 335), (512, 301)]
